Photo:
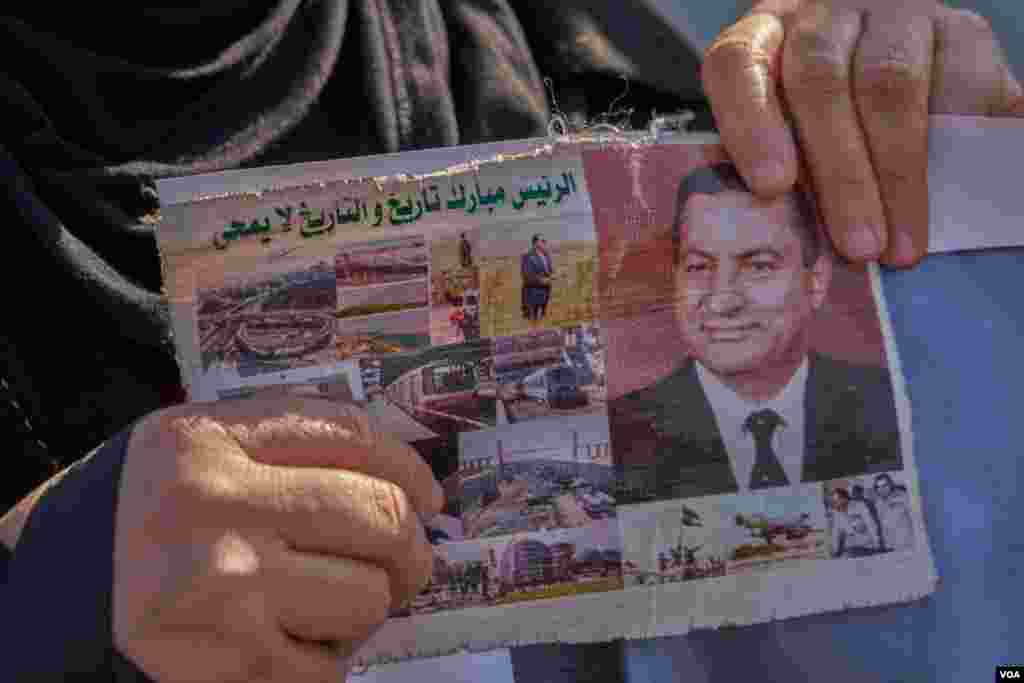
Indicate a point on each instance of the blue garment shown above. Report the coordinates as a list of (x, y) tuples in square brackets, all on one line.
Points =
[(957, 321), (535, 291)]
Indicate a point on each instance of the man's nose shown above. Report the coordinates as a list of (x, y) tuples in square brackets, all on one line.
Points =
[(723, 302)]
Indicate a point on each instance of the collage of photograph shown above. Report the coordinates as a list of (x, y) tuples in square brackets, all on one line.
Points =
[(748, 429)]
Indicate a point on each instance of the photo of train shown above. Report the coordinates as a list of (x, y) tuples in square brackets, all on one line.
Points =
[(433, 392), (552, 372), (439, 393)]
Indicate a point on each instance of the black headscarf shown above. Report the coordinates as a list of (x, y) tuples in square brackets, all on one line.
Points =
[(95, 109)]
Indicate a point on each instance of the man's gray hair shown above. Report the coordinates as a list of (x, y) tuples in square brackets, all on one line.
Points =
[(723, 177)]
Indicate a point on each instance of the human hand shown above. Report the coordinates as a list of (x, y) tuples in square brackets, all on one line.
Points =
[(854, 82), (262, 540)]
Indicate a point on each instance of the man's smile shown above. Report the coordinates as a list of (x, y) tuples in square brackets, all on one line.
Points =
[(728, 331)]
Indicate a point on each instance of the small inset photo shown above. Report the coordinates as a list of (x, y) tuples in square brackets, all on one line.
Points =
[(455, 288), (382, 262), (538, 275), (432, 393), (700, 538), (340, 382), (522, 568), (383, 297), (772, 529), (869, 515), (551, 474), (559, 372), (275, 319)]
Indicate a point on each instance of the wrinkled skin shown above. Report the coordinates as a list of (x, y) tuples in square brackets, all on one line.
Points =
[(852, 82), (258, 540)]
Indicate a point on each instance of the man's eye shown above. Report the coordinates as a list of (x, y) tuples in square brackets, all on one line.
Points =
[(762, 266), (696, 267)]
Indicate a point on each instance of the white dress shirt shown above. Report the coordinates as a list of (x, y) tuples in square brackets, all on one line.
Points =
[(732, 410)]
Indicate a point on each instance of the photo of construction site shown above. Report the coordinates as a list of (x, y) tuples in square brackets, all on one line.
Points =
[(548, 373), (522, 568), (279, 317), (552, 474), (455, 288)]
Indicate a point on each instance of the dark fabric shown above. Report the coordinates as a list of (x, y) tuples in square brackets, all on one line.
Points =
[(563, 663), (95, 109), (5, 560), (767, 468), (59, 618), (536, 291), (674, 449)]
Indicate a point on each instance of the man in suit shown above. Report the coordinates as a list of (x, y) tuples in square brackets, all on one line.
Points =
[(465, 252), (753, 406), (537, 270)]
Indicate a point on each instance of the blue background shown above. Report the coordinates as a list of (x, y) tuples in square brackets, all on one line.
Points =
[(957, 320)]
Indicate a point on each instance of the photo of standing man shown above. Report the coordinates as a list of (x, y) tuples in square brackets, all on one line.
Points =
[(537, 271), (465, 252)]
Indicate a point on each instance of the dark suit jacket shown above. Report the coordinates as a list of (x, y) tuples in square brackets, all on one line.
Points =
[(667, 444), (535, 289)]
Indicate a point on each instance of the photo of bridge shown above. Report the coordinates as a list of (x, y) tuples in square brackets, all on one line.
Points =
[(274, 320)]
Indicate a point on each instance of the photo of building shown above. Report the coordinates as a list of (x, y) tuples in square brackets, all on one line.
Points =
[(522, 568)]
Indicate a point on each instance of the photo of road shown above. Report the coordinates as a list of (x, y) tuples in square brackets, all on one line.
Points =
[(277, 319), (536, 477)]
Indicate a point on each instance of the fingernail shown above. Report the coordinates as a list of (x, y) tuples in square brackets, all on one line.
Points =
[(862, 244), (903, 252)]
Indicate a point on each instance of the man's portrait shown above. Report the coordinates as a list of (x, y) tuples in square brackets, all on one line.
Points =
[(750, 401)]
